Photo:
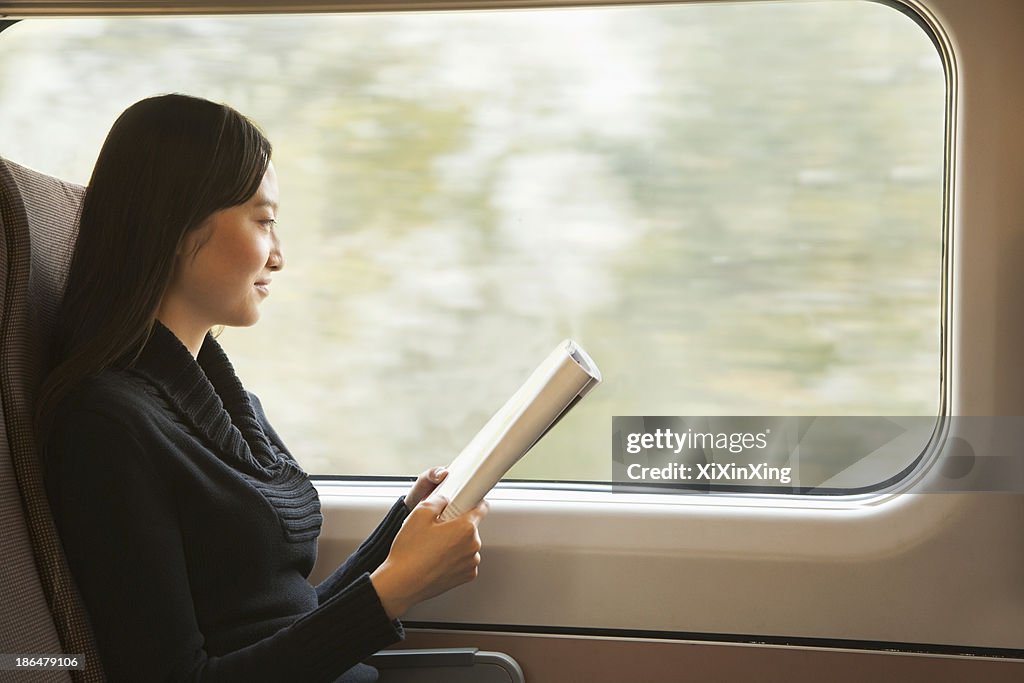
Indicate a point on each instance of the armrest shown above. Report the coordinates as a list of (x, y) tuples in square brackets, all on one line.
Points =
[(446, 665)]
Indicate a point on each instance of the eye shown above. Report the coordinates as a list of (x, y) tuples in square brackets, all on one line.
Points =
[(268, 223)]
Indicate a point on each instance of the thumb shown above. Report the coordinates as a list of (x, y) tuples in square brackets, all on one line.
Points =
[(435, 504)]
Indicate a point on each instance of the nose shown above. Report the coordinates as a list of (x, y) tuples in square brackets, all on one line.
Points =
[(276, 260)]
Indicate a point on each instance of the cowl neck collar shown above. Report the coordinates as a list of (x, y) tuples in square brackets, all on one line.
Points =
[(207, 394)]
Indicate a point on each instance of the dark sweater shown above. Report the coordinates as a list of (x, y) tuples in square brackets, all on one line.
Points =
[(191, 531)]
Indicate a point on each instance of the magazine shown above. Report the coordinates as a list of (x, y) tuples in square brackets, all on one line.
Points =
[(566, 376)]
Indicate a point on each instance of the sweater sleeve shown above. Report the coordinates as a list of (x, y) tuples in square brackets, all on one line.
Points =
[(368, 556), (119, 529)]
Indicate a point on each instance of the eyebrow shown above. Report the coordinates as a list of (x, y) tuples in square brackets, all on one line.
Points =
[(267, 202)]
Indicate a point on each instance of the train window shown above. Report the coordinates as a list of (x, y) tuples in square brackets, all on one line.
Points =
[(736, 208)]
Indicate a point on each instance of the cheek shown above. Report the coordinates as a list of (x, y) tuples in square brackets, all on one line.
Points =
[(243, 257), (226, 266), (250, 256)]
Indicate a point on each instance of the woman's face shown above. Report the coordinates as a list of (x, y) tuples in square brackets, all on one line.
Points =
[(224, 282)]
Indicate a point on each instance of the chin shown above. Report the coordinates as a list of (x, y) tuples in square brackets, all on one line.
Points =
[(247, 319)]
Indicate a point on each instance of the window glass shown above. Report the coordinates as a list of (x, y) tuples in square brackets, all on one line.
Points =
[(735, 208)]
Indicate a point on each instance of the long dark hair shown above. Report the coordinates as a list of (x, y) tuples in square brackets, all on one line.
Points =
[(168, 163)]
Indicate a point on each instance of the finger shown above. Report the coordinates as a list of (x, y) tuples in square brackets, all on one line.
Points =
[(477, 544), (480, 511), (438, 473)]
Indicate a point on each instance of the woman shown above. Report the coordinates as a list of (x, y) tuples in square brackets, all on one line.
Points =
[(188, 526)]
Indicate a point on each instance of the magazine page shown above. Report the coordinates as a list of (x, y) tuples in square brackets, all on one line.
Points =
[(558, 383)]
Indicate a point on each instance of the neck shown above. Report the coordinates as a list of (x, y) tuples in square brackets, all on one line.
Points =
[(187, 331)]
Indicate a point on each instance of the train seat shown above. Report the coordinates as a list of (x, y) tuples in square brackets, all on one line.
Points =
[(38, 225), (43, 612)]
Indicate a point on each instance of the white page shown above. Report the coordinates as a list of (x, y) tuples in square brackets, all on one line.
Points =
[(565, 376)]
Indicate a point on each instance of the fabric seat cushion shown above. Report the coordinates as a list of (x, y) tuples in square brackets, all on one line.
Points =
[(43, 613)]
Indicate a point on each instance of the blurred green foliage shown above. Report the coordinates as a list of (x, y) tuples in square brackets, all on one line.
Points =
[(737, 209)]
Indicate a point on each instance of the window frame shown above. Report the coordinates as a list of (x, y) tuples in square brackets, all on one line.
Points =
[(599, 491)]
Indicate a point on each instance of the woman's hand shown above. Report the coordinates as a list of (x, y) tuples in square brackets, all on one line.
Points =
[(425, 483), (429, 556)]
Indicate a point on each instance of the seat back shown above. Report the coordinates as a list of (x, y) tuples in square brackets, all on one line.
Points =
[(41, 610)]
